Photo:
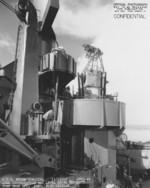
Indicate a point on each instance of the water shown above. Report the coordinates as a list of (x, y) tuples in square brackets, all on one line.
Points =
[(138, 133)]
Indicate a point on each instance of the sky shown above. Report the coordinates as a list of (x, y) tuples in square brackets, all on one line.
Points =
[(125, 43)]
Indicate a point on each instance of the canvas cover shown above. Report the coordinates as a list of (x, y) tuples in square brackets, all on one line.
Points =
[(93, 79)]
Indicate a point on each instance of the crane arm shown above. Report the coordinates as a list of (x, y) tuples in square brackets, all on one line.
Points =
[(11, 140)]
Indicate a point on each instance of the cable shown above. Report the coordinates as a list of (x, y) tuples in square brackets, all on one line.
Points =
[(57, 43), (8, 6)]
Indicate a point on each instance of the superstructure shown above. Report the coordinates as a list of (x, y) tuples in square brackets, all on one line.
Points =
[(47, 132)]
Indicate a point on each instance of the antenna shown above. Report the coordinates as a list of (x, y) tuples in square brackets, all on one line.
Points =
[(94, 56), (93, 75)]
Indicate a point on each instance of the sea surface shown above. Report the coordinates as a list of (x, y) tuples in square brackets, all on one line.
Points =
[(138, 133)]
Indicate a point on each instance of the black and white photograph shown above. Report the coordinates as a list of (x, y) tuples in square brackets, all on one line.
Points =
[(74, 93)]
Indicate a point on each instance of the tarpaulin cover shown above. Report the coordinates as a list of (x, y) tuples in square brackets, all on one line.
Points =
[(93, 79)]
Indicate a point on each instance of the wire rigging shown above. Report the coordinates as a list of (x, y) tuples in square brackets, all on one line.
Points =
[(8, 6)]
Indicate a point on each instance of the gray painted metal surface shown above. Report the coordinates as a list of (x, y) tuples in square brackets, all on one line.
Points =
[(94, 112)]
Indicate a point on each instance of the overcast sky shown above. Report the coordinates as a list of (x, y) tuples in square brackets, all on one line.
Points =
[(125, 43)]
